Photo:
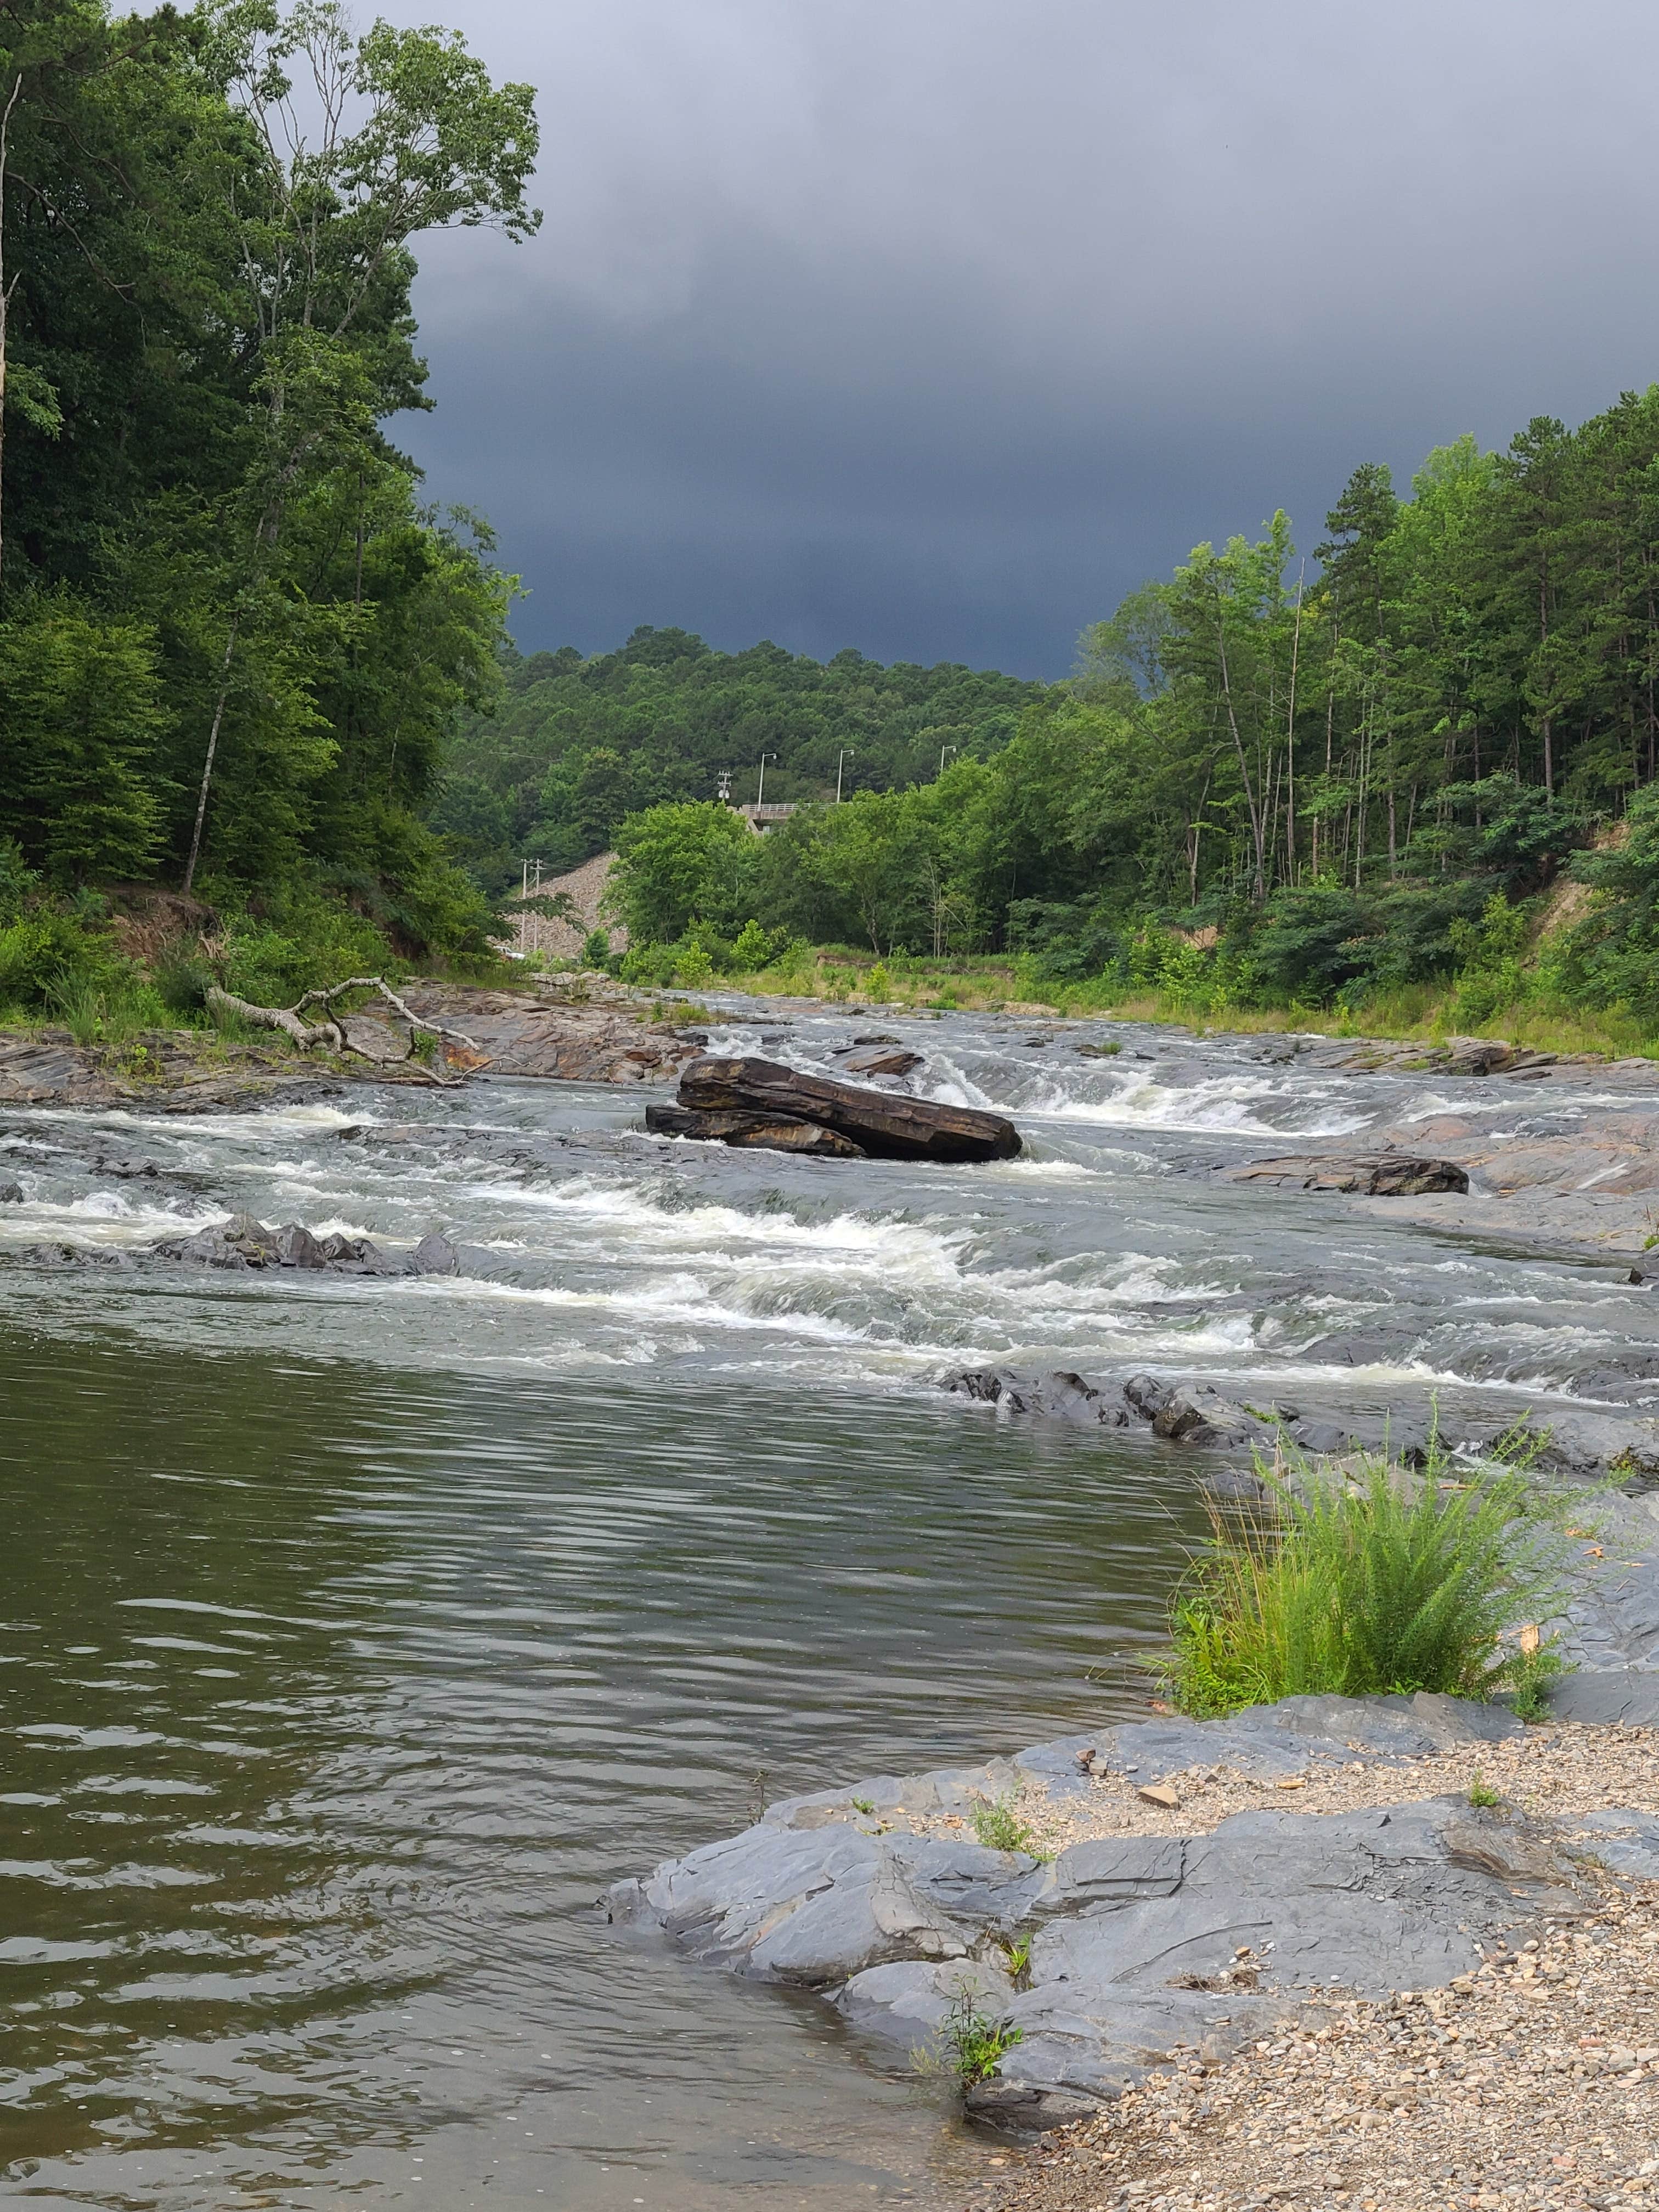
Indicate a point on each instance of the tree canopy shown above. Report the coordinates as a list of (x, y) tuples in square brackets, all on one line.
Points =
[(577, 743), (1330, 768), (234, 638)]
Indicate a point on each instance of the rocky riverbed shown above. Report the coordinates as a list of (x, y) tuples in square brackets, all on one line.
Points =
[(1165, 1893)]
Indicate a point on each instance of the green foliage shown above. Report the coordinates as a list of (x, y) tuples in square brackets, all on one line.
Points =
[(683, 864), (578, 744), (998, 1825), (596, 948), (757, 948), (1531, 1673), (77, 742), (969, 2043), (207, 541), (295, 938), (47, 952), (1378, 1583), (1482, 1796)]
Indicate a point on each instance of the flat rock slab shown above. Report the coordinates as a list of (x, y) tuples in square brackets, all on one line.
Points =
[(1135, 1941), (517, 1034), (879, 1122), (1378, 1175)]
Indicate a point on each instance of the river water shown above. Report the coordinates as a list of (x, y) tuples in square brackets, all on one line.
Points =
[(354, 1633)]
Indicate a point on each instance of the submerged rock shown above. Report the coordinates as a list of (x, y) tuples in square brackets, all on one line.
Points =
[(1061, 1397)]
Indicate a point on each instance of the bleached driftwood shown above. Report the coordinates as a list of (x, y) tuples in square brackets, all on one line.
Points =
[(329, 1033)]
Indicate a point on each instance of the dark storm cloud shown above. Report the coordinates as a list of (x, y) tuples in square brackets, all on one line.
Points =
[(932, 326)]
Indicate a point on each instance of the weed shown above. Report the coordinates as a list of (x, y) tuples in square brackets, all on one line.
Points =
[(968, 2043), (759, 1783), (236, 1028), (1017, 1949), (94, 1017), (1531, 1670), (1482, 1796), (997, 1825), (1378, 1584), (864, 1805)]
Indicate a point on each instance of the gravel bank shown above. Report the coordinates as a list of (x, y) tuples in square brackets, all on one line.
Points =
[(1532, 2081), (1552, 1773)]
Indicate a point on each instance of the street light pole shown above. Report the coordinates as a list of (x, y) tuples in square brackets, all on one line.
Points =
[(846, 752), (942, 751), (760, 795)]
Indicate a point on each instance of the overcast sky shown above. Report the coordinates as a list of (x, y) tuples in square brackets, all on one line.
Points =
[(933, 326)]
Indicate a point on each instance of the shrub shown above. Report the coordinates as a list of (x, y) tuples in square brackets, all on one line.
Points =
[(596, 948), (180, 978), (1363, 1586), (298, 939), (47, 950), (757, 948)]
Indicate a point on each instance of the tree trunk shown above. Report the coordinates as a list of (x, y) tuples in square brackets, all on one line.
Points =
[(289, 1021), (1259, 890), (207, 765), (1290, 741), (8, 287)]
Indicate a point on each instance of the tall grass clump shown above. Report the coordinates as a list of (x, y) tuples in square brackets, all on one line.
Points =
[(1377, 1581)]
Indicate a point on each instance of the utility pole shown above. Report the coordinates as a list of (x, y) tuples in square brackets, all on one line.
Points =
[(524, 912), (942, 751), (760, 795), (846, 752)]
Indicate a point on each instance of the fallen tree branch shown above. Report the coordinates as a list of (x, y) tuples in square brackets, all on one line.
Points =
[(332, 1033)]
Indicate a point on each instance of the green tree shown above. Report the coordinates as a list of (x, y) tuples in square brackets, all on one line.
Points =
[(683, 864), (77, 740)]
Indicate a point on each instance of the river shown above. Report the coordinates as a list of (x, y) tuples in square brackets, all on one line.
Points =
[(357, 1633)]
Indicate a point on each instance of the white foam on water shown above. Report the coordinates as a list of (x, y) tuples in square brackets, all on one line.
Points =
[(258, 1127), (101, 1218), (681, 1299), (713, 1229)]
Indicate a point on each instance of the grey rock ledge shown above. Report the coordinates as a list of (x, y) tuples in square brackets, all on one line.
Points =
[(1146, 1948)]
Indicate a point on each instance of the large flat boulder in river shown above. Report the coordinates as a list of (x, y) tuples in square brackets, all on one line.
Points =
[(879, 1122), (772, 1133), (1377, 1175)]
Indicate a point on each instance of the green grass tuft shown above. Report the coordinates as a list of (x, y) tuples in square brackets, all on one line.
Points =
[(1377, 1582), (999, 1826)]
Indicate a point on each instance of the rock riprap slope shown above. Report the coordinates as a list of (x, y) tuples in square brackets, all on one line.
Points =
[(1185, 1939)]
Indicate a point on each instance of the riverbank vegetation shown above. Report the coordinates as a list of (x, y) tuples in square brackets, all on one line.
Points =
[(1412, 785), (1371, 1582), (233, 637)]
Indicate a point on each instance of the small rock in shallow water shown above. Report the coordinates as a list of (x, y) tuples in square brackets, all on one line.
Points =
[(435, 1255)]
